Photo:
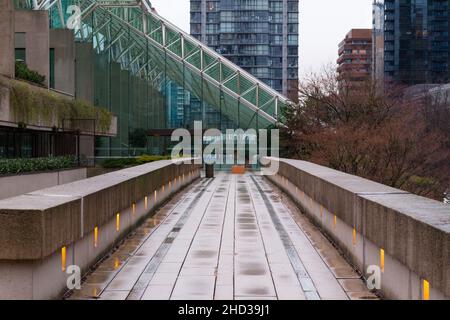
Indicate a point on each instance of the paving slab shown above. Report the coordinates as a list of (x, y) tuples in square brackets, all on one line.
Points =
[(231, 237)]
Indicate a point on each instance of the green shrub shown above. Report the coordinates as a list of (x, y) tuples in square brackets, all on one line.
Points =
[(422, 181), (21, 165), (121, 163), (146, 159), (24, 73)]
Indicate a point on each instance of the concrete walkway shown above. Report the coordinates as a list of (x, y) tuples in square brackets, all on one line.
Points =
[(232, 237)]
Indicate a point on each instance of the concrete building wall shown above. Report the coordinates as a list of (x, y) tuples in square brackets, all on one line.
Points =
[(35, 25), (12, 186), (63, 42), (84, 72), (29, 30), (7, 38), (5, 110)]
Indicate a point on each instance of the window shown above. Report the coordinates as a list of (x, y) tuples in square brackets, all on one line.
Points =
[(276, 6), (276, 17), (196, 5), (276, 28), (20, 54), (212, 40), (226, 16), (292, 6), (3, 144), (20, 43), (227, 27), (276, 40), (276, 62), (292, 17), (212, 6), (196, 28), (212, 28), (292, 73), (262, 61), (293, 51), (260, 72), (196, 17), (276, 73), (212, 17), (292, 39), (254, 50), (292, 62), (293, 28), (276, 51)]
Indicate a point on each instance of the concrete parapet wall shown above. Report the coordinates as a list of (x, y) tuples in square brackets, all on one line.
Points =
[(407, 236), (45, 116), (7, 38), (15, 185), (81, 218), (35, 25)]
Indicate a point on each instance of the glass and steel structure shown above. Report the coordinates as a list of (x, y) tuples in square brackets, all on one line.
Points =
[(261, 36), (132, 54), (415, 36)]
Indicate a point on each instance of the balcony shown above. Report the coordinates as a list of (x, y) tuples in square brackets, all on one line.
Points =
[(23, 104)]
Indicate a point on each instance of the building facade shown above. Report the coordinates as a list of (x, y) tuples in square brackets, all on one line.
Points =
[(415, 38), (106, 84), (176, 104), (378, 42), (355, 56), (260, 36), (45, 114)]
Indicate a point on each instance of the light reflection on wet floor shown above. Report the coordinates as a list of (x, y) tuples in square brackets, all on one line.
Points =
[(226, 238)]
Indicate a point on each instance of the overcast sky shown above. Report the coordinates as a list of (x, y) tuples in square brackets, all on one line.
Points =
[(323, 24)]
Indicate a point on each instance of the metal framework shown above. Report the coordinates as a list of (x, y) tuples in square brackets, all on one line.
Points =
[(153, 49)]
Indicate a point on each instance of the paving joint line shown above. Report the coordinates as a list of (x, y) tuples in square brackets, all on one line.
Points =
[(146, 276), (199, 185), (302, 274), (192, 240), (310, 241)]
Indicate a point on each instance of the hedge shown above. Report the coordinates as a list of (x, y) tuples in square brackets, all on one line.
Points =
[(121, 163), (21, 165)]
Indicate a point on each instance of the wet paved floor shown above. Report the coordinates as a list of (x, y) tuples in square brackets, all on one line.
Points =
[(232, 237)]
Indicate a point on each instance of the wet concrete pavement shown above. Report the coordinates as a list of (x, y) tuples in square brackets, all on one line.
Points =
[(231, 237)]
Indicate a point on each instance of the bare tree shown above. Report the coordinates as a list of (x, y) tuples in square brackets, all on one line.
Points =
[(382, 136)]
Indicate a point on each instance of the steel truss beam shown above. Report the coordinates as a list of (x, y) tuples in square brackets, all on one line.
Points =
[(149, 31)]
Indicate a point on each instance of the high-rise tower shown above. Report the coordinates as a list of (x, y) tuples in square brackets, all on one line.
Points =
[(261, 36), (414, 40)]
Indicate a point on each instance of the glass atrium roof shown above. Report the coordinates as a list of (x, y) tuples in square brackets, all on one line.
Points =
[(153, 48)]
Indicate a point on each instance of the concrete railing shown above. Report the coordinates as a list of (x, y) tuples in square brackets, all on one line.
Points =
[(15, 185), (43, 232), (404, 236)]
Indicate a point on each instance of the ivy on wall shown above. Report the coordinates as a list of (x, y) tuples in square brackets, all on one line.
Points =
[(38, 106)]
